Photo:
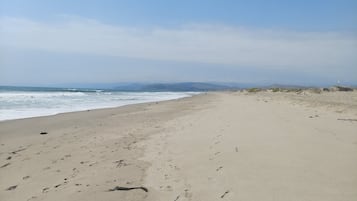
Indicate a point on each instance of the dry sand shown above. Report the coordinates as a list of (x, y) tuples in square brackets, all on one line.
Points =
[(216, 146)]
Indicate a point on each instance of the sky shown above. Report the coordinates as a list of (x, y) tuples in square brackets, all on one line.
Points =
[(306, 42)]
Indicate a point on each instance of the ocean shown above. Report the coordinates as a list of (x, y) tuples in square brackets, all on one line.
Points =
[(24, 102)]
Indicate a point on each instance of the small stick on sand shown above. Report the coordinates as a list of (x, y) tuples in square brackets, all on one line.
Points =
[(119, 188), (5, 165), (224, 194), (11, 188)]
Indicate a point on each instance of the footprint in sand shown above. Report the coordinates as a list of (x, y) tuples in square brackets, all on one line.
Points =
[(218, 169), (75, 172), (45, 190), (31, 198), (166, 177), (168, 188), (25, 177), (121, 163), (188, 194)]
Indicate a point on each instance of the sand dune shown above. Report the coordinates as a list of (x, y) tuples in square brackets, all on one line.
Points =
[(216, 146)]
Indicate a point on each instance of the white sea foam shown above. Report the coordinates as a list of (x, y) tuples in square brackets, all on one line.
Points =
[(24, 104)]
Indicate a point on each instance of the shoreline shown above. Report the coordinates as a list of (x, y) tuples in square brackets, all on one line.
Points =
[(219, 145), (69, 150), (102, 108)]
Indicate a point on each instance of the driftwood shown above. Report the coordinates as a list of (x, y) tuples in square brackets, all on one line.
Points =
[(5, 165), (120, 188), (11, 188), (224, 194)]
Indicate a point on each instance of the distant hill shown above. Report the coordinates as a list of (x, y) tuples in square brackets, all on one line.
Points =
[(185, 86), (157, 87)]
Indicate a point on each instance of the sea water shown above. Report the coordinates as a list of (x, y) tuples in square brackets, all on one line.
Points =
[(24, 102)]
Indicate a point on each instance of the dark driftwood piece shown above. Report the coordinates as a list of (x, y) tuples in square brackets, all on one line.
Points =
[(11, 188), (224, 194), (120, 188)]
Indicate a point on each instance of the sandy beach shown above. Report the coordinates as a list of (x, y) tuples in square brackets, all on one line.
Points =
[(214, 146)]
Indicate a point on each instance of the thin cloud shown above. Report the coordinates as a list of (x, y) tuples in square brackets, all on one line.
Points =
[(237, 47)]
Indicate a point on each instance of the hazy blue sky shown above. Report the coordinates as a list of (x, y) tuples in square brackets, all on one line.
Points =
[(256, 41)]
